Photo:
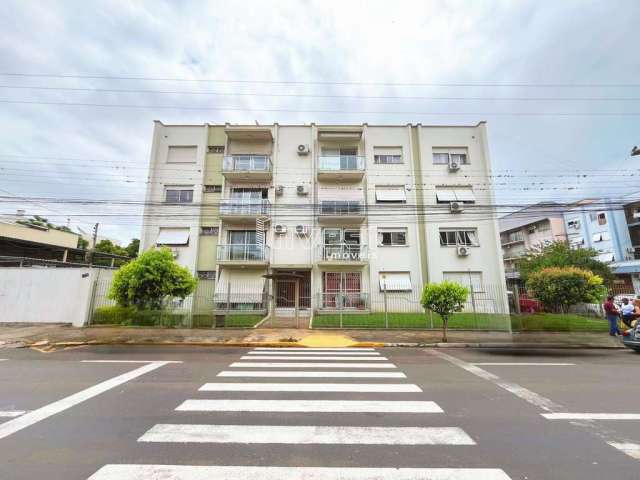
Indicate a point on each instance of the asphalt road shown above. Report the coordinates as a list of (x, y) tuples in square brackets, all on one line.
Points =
[(456, 414)]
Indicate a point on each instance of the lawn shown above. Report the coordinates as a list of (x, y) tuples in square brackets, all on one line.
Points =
[(541, 322)]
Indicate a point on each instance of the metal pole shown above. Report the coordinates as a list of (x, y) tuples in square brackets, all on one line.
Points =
[(384, 293), (296, 302), (473, 301)]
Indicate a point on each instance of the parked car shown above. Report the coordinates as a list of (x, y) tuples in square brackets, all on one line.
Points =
[(631, 338), (529, 305)]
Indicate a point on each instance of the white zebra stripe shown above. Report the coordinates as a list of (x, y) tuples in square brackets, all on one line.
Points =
[(302, 374), (309, 365), (311, 387), (335, 406), (293, 357)]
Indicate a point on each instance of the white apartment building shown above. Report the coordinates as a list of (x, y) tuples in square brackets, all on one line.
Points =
[(325, 218)]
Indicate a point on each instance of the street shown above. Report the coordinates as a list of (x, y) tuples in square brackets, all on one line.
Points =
[(185, 413)]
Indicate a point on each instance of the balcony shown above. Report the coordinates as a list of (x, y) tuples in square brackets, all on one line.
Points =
[(243, 210), (512, 239), (243, 255), (343, 212), (247, 168), (335, 301), (341, 168), (347, 254)]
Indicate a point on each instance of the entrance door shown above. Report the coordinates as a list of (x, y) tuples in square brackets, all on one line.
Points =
[(342, 290), (285, 293)]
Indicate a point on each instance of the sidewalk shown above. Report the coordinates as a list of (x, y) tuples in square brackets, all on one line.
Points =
[(52, 337)]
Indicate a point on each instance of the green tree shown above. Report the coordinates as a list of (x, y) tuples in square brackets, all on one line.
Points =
[(107, 246), (133, 248), (149, 280), (444, 298), (38, 221), (82, 243), (560, 254), (559, 288)]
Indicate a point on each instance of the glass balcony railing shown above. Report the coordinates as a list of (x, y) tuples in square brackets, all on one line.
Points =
[(336, 163), (244, 207), (246, 163), (343, 252), (243, 252), (342, 207)]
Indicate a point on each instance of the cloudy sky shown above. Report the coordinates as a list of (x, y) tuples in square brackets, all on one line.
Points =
[(81, 82)]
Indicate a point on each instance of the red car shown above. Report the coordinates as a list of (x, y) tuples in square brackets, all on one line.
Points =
[(529, 305)]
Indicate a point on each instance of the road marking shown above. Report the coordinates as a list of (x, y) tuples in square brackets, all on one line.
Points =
[(631, 449), (311, 387), (283, 351), (293, 374), (518, 390), (309, 365), (11, 413), (287, 357), (523, 364), (3, 359), (131, 361), (307, 435), (338, 406), (35, 416), (193, 472), (317, 349), (591, 416)]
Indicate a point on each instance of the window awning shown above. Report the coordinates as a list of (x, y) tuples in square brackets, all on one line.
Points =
[(446, 195), (395, 282), (465, 195), (240, 287), (455, 195), (605, 257), (391, 195), (173, 236)]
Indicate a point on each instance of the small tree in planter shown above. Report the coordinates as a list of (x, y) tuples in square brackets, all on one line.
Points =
[(444, 298), (146, 282)]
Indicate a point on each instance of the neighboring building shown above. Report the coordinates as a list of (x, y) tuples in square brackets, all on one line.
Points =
[(627, 271), (532, 227), (324, 217)]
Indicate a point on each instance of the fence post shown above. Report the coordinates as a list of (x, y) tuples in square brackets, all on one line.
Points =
[(516, 299), (92, 302), (386, 313)]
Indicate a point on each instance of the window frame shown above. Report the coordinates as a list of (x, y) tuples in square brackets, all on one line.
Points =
[(210, 231), (212, 188), (450, 152), (181, 191), (458, 234), (404, 231), (394, 290)]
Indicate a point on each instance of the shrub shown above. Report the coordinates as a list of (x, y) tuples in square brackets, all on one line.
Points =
[(444, 298), (117, 315), (559, 288), (151, 279)]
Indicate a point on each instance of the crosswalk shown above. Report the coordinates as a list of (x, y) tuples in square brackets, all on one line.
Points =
[(352, 396)]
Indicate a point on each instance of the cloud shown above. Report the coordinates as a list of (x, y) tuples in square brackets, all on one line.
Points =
[(331, 41)]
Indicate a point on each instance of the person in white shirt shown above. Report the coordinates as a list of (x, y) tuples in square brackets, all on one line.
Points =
[(627, 311)]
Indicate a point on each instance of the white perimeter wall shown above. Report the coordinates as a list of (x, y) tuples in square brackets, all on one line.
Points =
[(46, 295)]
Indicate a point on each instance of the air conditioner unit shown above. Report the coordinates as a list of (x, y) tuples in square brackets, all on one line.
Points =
[(175, 252), (636, 214), (454, 166), (280, 190), (456, 207), (463, 251), (302, 230), (303, 149), (280, 229), (302, 190)]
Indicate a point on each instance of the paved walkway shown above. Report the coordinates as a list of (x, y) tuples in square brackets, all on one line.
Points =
[(61, 336)]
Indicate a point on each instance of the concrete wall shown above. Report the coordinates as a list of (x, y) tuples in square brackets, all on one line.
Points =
[(48, 237), (47, 295)]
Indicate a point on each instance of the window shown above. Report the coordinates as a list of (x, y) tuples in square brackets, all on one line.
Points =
[(215, 148), (391, 195), (455, 237), (209, 231), (207, 274), (575, 224), (396, 237), (577, 242), (173, 236), (468, 279), (395, 281), (182, 154), (455, 194), (250, 193), (602, 218), (387, 155), (212, 188), (340, 158), (442, 156), (178, 195), (601, 237)]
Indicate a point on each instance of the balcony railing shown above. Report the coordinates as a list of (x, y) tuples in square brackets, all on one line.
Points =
[(246, 163), (341, 208), (343, 301), (243, 252), (336, 163), (518, 237), (249, 207), (343, 252)]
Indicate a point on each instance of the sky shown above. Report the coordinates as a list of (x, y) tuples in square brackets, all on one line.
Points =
[(82, 82)]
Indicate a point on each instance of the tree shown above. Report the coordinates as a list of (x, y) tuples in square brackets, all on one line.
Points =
[(82, 243), (107, 246), (38, 221), (149, 280), (560, 254), (559, 288), (133, 248), (444, 298)]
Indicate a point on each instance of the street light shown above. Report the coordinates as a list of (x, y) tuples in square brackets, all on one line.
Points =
[(635, 151)]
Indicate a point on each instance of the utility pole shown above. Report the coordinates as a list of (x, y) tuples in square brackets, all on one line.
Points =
[(93, 243)]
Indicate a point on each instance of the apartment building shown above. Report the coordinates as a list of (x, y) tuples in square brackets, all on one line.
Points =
[(532, 227), (321, 218)]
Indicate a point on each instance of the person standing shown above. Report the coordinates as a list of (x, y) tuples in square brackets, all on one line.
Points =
[(626, 312), (612, 314)]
